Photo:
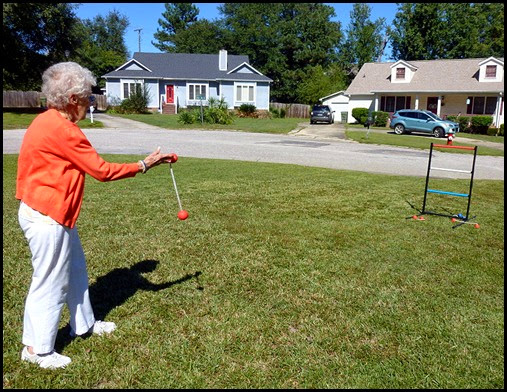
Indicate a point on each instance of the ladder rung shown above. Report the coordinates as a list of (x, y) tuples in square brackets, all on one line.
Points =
[(447, 193), (452, 170)]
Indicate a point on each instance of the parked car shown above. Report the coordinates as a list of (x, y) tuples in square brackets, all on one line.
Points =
[(407, 121), (321, 113)]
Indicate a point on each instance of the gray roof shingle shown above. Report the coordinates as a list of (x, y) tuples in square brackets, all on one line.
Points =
[(187, 66), (431, 76)]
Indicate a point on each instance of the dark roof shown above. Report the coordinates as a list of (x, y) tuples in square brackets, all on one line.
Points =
[(186, 66)]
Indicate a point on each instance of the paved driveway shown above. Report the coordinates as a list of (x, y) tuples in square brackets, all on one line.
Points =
[(301, 148)]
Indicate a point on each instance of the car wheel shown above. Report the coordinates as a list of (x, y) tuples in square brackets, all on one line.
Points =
[(438, 132), (399, 129)]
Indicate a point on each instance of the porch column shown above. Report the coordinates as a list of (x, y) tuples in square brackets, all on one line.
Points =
[(439, 104), (376, 103), (497, 111), (416, 102)]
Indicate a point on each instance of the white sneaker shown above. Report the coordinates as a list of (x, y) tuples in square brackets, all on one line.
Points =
[(53, 360), (99, 328)]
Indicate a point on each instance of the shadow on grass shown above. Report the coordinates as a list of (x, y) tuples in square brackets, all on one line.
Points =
[(116, 287)]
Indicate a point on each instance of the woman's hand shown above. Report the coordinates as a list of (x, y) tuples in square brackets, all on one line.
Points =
[(156, 158)]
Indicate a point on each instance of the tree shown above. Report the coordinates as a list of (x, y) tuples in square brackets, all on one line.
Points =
[(319, 82), (201, 36), (364, 38), (177, 18), (428, 31), (35, 35), (102, 46), (282, 40)]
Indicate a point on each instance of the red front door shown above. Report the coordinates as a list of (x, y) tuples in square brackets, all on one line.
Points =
[(432, 104), (169, 93)]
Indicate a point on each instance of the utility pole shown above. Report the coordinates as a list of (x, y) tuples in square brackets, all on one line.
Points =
[(382, 47), (139, 37)]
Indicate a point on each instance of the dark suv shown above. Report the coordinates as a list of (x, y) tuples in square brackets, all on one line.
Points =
[(406, 121), (321, 113)]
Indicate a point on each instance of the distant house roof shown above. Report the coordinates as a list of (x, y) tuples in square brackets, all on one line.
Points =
[(187, 66), (430, 76)]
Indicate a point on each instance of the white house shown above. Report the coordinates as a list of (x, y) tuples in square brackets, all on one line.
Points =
[(339, 103), (445, 87)]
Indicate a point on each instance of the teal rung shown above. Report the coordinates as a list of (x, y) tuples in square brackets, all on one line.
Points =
[(448, 193)]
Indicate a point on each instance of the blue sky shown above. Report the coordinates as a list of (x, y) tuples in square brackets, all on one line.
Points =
[(146, 15)]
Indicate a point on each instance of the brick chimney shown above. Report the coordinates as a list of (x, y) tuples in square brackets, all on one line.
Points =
[(222, 60)]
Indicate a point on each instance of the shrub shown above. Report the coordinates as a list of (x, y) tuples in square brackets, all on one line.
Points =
[(480, 124), (361, 115), (217, 112), (277, 113), (380, 118), (189, 116), (501, 131), (463, 122), (247, 110), (136, 103)]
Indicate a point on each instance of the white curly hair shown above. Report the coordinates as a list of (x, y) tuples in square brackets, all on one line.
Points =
[(62, 80)]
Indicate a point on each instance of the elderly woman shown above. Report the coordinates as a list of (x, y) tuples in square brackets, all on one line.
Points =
[(55, 156)]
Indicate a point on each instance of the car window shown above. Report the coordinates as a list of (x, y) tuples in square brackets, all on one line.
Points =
[(433, 116), (423, 116), (321, 107), (409, 114)]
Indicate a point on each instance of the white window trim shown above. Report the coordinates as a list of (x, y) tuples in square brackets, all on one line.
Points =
[(195, 100), (248, 84), (129, 81)]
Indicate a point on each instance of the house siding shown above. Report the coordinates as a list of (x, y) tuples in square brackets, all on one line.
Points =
[(157, 70), (451, 81)]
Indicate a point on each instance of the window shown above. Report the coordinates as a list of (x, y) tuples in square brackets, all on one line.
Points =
[(478, 106), (197, 92), (245, 93), (400, 73), (400, 103), (129, 87), (393, 104), (481, 105), (491, 71), (490, 105), (389, 106)]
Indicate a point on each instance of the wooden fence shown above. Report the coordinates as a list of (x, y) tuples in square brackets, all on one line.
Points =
[(35, 99), (293, 109)]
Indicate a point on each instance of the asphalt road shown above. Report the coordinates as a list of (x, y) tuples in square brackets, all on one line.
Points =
[(308, 147)]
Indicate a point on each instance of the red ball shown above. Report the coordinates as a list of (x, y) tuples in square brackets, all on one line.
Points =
[(174, 158), (182, 215)]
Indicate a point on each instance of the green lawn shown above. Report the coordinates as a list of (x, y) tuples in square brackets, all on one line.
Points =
[(20, 120), (421, 141), (282, 277), (262, 125)]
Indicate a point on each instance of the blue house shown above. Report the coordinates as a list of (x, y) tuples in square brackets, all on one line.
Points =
[(180, 80)]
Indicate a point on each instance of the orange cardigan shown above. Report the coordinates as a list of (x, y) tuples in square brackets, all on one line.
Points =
[(54, 157)]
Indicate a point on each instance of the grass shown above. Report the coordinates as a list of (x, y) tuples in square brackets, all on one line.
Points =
[(282, 277), (259, 125), (21, 120), (420, 141)]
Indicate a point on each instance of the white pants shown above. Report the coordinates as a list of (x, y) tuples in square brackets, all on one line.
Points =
[(59, 277)]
